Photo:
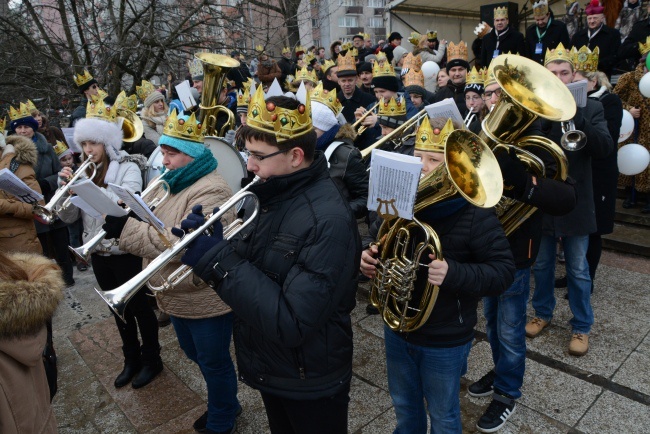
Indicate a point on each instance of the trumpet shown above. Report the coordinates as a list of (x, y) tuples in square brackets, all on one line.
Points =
[(362, 118), (415, 120), (48, 213), (118, 298), (572, 139), (83, 253)]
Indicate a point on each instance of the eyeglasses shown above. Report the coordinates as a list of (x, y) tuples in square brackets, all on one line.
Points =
[(473, 98), (94, 86), (488, 94), (258, 157)]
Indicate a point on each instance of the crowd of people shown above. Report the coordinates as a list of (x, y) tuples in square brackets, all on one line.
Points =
[(284, 287)]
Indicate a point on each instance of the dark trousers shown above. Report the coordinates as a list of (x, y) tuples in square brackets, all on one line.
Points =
[(319, 416), (55, 245), (594, 251), (112, 271)]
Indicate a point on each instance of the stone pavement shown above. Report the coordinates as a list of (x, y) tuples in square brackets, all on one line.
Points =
[(606, 391)]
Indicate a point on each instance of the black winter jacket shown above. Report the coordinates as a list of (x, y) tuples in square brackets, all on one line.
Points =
[(608, 40), (554, 34), (291, 283), (512, 42)]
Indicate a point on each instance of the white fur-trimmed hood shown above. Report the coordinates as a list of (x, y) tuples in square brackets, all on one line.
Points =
[(101, 132)]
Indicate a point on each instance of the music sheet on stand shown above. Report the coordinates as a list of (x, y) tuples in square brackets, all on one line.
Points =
[(95, 198), (137, 205), (446, 108), (14, 185)]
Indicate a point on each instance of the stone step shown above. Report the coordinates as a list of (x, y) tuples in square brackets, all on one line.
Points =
[(629, 238), (631, 215)]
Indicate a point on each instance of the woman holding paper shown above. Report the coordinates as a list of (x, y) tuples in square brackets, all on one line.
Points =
[(202, 321), (100, 139)]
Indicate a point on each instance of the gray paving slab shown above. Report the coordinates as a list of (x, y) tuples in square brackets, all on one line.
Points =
[(613, 414), (631, 376)]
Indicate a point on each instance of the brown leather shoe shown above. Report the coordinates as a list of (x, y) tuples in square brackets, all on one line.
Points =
[(535, 327), (579, 344)]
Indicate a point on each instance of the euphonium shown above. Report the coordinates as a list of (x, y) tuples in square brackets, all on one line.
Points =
[(215, 69), (131, 125), (470, 170)]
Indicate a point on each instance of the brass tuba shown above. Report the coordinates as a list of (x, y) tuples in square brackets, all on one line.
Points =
[(215, 69), (528, 91), (470, 170)]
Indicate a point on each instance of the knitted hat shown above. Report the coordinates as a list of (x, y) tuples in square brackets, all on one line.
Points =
[(322, 117), (152, 98), (393, 36), (189, 147), (594, 8), (388, 83), (398, 53), (105, 132), (27, 120)]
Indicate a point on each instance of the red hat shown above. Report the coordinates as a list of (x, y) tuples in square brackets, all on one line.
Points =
[(594, 8)]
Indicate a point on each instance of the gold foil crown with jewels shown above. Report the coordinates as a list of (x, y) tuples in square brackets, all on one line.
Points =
[(60, 148), (353, 52), (457, 51), (644, 48), (560, 53), (329, 99), (286, 50), (147, 87), (189, 129), (382, 69), (392, 107), (243, 98), (328, 64), (23, 111), (123, 102), (346, 63), (285, 124), (540, 8), (81, 79), (306, 74), (415, 38), (584, 59), (476, 76), (429, 139), (414, 77), (412, 61), (432, 34), (31, 107), (501, 12), (96, 109)]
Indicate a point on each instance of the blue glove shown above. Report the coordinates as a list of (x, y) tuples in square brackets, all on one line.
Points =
[(203, 243)]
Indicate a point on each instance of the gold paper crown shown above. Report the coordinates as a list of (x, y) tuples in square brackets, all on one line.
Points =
[(366, 36), (540, 8), (476, 77), (23, 111), (415, 38), (80, 80), (482, 29), (501, 12), (96, 109), (243, 98), (560, 53), (189, 129), (306, 74), (432, 140), (414, 77), (259, 49), (308, 58), (412, 61), (147, 87), (60, 148), (31, 107), (101, 94), (381, 57), (353, 52), (288, 83), (346, 63), (286, 50), (285, 124), (123, 102), (432, 34), (328, 64), (457, 51), (346, 46), (299, 48), (644, 48), (392, 107), (318, 94), (3, 124), (195, 66), (382, 69), (584, 59)]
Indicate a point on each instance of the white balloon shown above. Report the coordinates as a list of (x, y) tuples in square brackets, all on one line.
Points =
[(633, 159), (430, 69), (644, 86), (627, 126)]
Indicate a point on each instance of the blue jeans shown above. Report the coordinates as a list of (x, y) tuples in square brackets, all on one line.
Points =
[(416, 373), (506, 332), (206, 342), (578, 281)]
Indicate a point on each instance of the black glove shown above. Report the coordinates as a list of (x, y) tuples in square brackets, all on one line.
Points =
[(114, 226), (45, 187), (515, 176), (133, 215), (200, 246)]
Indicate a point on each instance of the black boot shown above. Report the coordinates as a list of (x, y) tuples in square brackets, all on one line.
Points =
[(152, 365), (132, 366)]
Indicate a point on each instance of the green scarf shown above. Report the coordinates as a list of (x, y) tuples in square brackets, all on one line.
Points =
[(179, 179)]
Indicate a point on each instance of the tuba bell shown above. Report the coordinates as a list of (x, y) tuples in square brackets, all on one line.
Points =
[(131, 125), (471, 171), (215, 69)]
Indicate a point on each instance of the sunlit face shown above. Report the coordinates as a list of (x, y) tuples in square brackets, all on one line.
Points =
[(277, 165), (198, 85), (159, 106), (594, 21), (384, 93), (473, 101), (366, 78), (416, 99), (347, 85), (173, 158), (542, 21), (39, 119), (430, 160), (500, 24), (458, 74), (443, 78), (562, 70), (67, 160), (25, 131), (93, 148)]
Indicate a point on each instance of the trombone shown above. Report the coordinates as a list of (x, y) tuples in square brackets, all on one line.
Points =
[(82, 253), (362, 118), (48, 213), (415, 120), (118, 298)]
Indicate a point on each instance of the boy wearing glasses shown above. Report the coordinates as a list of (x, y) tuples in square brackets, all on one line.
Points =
[(474, 97), (291, 279), (88, 87)]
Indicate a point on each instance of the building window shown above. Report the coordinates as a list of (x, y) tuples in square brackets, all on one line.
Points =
[(375, 22), (347, 2), (314, 22), (376, 3), (348, 22), (317, 42)]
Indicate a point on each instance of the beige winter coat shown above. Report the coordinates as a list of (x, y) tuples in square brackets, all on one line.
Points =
[(193, 298), (24, 308)]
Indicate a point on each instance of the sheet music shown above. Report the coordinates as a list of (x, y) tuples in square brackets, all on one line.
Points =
[(394, 182), (83, 205), (95, 198), (15, 186), (579, 91), (137, 205), (446, 108), (184, 94)]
